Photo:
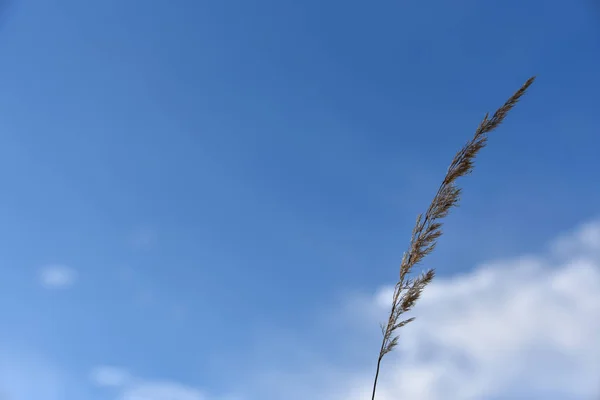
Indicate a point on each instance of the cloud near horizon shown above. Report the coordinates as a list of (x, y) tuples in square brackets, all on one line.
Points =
[(525, 327), (130, 387), (107, 376)]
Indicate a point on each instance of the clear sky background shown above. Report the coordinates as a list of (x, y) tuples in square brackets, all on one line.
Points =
[(206, 200)]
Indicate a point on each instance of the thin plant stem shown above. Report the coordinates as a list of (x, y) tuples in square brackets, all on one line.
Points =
[(427, 229)]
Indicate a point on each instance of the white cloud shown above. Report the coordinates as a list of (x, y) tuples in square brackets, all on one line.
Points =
[(57, 276), (161, 391), (584, 240), (526, 327), (518, 328), (134, 388), (109, 376)]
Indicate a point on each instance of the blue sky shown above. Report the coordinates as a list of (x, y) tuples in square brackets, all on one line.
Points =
[(211, 181)]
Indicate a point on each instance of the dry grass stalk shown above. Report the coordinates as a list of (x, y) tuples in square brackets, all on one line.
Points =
[(428, 229)]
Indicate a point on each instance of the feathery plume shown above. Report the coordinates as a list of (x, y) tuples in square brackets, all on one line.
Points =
[(428, 229)]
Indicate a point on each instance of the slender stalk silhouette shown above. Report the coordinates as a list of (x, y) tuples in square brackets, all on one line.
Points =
[(428, 229)]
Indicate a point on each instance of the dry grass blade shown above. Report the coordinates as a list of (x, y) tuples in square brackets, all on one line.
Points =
[(428, 228)]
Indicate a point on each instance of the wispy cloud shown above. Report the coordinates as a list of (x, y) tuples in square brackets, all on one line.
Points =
[(57, 276), (161, 391), (524, 327), (107, 376), (129, 387)]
